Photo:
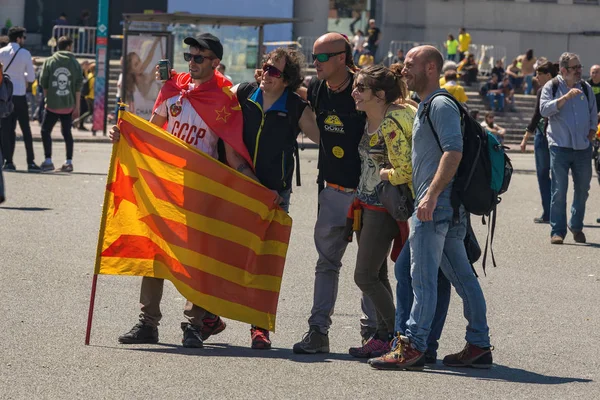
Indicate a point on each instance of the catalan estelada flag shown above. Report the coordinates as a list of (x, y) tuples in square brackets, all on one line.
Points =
[(173, 212)]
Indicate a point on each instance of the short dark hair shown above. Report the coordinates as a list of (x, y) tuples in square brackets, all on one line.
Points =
[(548, 68), (450, 75), (16, 32), (292, 72), (64, 42)]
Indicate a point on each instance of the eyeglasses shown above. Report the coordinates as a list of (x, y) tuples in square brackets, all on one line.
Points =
[(576, 67), (361, 87), (324, 57), (271, 70), (198, 59)]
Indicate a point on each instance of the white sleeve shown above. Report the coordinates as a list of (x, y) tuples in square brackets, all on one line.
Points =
[(162, 109)]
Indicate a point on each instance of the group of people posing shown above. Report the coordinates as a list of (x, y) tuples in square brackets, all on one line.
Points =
[(370, 135)]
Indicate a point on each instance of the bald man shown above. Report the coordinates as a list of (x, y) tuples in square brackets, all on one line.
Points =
[(595, 81), (341, 128), (435, 240)]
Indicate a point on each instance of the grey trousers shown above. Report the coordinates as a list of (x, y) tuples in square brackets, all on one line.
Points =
[(375, 239), (331, 246)]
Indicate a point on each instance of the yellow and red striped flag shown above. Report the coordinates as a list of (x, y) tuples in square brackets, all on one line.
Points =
[(173, 212)]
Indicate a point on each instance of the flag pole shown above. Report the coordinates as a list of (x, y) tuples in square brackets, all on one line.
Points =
[(91, 311), (88, 330)]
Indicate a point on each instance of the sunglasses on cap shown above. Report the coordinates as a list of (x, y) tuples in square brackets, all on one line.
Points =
[(324, 57), (198, 58), (272, 71)]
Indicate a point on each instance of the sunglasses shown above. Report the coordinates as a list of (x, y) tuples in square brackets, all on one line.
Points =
[(361, 87), (324, 57), (198, 59), (272, 71), (576, 67)]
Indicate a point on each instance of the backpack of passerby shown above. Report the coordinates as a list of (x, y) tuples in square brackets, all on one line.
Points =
[(6, 93), (483, 174)]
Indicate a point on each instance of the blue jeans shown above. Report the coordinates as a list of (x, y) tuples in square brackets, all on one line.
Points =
[(439, 244), (404, 300), (562, 160), (492, 97), (285, 194), (528, 84), (542, 167), (451, 57)]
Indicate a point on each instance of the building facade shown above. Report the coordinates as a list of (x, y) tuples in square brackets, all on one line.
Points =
[(550, 27)]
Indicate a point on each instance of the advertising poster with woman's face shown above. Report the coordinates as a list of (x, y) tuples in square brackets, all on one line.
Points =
[(141, 86)]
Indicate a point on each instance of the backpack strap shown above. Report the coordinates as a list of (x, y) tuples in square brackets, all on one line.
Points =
[(12, 59), (321, 162)]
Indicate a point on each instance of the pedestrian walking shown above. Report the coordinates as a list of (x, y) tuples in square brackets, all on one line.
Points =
[(18, 65), (570, 106), (61, 80), (537, 127)]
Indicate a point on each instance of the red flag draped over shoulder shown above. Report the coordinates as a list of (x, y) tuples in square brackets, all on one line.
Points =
[(216, 105)]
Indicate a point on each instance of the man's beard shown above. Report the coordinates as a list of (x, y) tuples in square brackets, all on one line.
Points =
[(419, 82)]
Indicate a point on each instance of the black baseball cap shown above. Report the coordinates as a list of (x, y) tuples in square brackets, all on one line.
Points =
[(206, 41)]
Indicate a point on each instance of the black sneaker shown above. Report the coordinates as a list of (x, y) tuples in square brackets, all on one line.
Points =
[(141, 333), (430, 358), (33, 168), (47, 166), (9, 167), (192, 336), (313, 342)]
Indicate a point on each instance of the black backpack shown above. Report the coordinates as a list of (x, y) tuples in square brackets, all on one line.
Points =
[(6, 91), (6, 94), (483, 174)]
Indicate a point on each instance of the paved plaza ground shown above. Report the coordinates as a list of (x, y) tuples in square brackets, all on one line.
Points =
[(542, 309)]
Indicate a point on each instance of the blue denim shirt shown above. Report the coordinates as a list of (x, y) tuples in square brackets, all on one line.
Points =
[(570, 126), (426, 154)]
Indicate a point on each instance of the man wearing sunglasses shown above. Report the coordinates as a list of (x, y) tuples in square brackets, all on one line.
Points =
[(198, 108), (570, 106), (341, 128), (273, 117)]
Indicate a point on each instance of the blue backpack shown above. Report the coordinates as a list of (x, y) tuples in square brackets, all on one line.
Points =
[(484, 172)]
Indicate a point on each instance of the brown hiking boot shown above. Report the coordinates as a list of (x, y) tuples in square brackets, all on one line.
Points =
[(556, 239), (471, 356), (402, 356)]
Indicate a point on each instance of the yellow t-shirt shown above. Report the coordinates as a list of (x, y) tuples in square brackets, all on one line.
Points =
[(91, 80), (457, 91), (452, 45), (442, 81), (365, 59), (464, 41)]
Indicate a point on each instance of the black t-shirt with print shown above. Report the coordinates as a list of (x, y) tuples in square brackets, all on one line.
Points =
[(341, 128), (373, 35), (596, 90)]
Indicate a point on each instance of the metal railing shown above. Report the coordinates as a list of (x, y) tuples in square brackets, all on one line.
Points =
[(405, 46), (486, 56), (84, 39)]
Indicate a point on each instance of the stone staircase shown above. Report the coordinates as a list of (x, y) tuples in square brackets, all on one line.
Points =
[(514, 122)]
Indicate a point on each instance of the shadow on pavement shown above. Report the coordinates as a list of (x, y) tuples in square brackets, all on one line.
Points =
[(58, 173), (502, 373), (524, 171), (26, 208), (594, 245), (225, 350)]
